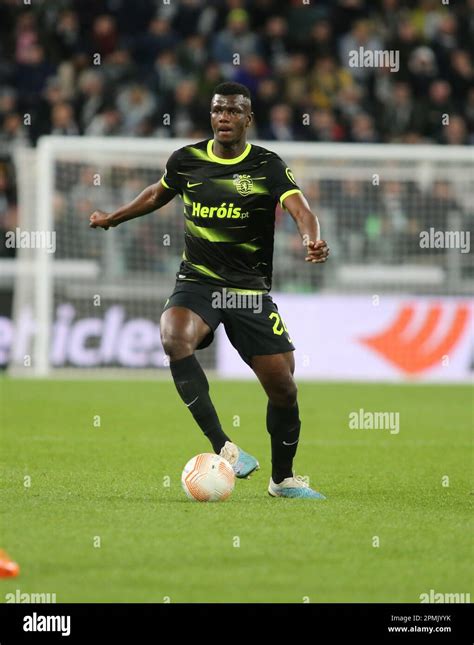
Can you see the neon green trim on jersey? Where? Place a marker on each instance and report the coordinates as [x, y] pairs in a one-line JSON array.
[[166, 185], [248, 247], [200, 154], [187, 200], [207, 233], [260, 188], [202, 269], [234, 160], [293, 191]]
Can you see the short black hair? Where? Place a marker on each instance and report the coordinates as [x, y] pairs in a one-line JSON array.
[[232, 88]]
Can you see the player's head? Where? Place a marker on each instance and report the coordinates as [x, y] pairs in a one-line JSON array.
[[231, 113]]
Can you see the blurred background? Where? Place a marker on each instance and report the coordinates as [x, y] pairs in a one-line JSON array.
[[144, 71]]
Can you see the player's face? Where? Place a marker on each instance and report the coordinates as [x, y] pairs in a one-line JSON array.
[[230, 117]]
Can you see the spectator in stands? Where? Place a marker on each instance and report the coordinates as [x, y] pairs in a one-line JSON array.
[[469, 112], [51, 96], [267, 95], [209, 77], [363, 130], [437, 109], [193, 54], [280, 126], [349, 102], [8, 209], [295, 79], [422, 69], [236, 38], [400, 207], [62, 120], [13, 132], [351, 213], [405, 41], [26, 37], [8, 101], [326, 80], [445, 42], [400, 115], [252, 72], [185, 110], [275, 43], [32, 73], [119, 69], [288, 54], [426, 17], [361, 35], [166, 75], [320, 43], [187, 17], [323, 126], [135, 103], [454, 133], [441, 209], [461, 76], [66, 37], [105, 37], [160, 37], [106, 123], [91, 96]]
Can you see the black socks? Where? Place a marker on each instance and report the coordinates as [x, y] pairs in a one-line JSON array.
[[193, 387], [283, 424]]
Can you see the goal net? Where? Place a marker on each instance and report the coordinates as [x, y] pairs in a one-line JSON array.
[[92, 299]]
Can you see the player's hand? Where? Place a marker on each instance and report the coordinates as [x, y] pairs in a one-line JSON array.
[[317, 251], [99, 219]]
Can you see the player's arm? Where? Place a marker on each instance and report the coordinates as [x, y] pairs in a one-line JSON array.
[[150, 199], [308, 227]]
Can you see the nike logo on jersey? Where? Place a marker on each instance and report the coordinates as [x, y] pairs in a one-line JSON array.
[[190, 185]]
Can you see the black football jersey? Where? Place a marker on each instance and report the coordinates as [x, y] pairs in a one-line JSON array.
[[229, 212]]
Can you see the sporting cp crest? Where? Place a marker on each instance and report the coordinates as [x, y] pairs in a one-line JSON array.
[[243, 184]]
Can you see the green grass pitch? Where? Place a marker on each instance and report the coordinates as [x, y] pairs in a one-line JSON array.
[[109, 482]]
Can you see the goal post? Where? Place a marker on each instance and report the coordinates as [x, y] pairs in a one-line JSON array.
[[98, 295]]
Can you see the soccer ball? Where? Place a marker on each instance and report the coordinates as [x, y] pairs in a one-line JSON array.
[[208, 478]]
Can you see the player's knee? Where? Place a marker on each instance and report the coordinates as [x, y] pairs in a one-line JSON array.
[[284, 393], [176, 345]]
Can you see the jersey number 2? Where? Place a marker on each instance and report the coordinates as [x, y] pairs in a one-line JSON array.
[[278, 326]]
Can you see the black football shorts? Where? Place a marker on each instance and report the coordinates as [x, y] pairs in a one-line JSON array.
[[251, 320]]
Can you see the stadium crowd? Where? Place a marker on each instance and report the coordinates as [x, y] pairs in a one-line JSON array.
[[116, 67]]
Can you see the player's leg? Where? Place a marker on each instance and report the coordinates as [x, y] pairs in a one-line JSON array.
[[182, 331], [262, 340], [275, 373]]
